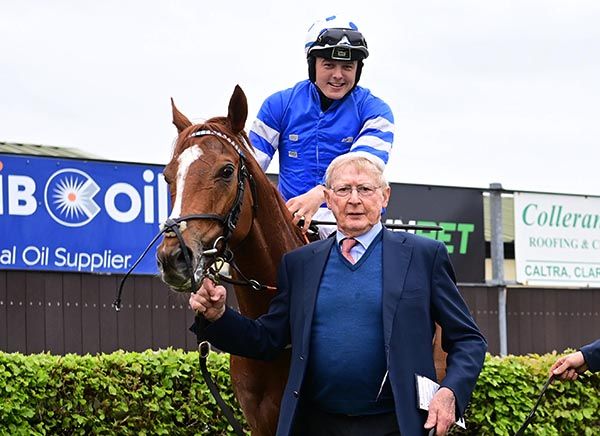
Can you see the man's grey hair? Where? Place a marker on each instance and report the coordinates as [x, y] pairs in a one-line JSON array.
[[359, 160]]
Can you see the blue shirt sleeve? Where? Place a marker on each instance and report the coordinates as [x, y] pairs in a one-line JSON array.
[[377, 132], [265, 132]]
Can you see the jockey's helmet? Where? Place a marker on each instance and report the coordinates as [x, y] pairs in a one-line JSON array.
[[334, 38]]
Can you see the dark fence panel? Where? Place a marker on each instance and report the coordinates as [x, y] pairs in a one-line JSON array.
[[543, 320], [3, 312], [72, 313], [109, 329], [71, 294], [90, 313], [35, 312], [160, 318], [483, 304], [54, 326], [538, 320], [16, 327]]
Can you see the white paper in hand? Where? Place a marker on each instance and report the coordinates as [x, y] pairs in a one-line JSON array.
[[426, 389]]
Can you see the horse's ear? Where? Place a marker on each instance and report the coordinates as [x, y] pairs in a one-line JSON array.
[[238, 110], [180, 120]]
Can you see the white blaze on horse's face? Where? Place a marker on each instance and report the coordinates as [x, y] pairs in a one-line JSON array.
[[185, 160]]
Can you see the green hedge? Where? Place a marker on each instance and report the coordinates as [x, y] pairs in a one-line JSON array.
[[163, 393], [119, 393], [508, 388]]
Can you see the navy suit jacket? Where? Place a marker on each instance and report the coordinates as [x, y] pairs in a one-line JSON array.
[[591, 353], [418, 290]]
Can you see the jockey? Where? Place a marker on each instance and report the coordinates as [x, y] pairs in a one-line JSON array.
[[321, 118]]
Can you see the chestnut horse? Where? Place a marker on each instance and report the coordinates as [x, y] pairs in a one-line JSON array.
[[211, 176], [204, 175]]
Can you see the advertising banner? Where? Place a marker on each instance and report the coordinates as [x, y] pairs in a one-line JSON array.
[[458, 211], [77, 215], [557, 240]]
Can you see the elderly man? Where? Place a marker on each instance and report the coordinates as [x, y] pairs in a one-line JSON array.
[[359, 311]]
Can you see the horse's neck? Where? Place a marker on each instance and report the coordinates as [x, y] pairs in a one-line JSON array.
[[258, 256]]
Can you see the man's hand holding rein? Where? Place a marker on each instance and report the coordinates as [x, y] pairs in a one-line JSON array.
[[209, 300]]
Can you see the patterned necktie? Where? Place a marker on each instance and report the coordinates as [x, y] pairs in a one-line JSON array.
[[347, 244]]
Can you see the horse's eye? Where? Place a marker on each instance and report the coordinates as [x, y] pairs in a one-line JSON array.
[[226, 172]]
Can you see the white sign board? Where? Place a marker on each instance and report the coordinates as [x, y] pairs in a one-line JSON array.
[[557, 240]]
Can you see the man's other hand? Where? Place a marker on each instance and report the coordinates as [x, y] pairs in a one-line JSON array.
[[303, 207], [441, 411]]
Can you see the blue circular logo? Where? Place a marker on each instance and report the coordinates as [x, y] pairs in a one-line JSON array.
[[69, 197]]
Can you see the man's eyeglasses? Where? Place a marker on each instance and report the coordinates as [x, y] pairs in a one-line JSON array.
[[362, 190]]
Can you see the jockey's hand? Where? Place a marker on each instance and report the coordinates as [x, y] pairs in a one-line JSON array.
[[441, 411], [306, 205], [209, 300], [569, 367]]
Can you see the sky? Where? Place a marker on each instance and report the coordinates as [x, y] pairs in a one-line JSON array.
[[482, 91]]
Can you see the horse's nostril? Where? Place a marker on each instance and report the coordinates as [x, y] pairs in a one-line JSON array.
[[162, 257], [175, 259], [180, 255]]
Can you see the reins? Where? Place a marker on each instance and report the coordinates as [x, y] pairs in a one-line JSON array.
[[255, 285], [521, 430]]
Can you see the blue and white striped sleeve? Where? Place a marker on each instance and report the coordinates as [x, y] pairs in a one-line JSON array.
[[264, 134], [377, 132]]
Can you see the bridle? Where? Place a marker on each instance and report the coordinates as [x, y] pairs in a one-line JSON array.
[[220, 253], [175, 226]]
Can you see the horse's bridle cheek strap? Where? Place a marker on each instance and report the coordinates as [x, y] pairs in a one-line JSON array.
[[236, 209], [239, 232], [232, 217]]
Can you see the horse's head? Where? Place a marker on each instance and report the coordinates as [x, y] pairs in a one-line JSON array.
[[210, 192]]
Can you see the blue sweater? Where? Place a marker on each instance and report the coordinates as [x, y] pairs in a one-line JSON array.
[[347, 363]]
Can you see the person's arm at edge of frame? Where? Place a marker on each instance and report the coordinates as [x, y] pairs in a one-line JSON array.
[[569, 367]]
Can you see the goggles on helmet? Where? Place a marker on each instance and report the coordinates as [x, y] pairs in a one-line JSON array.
[[331, 37], [343, 41]]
